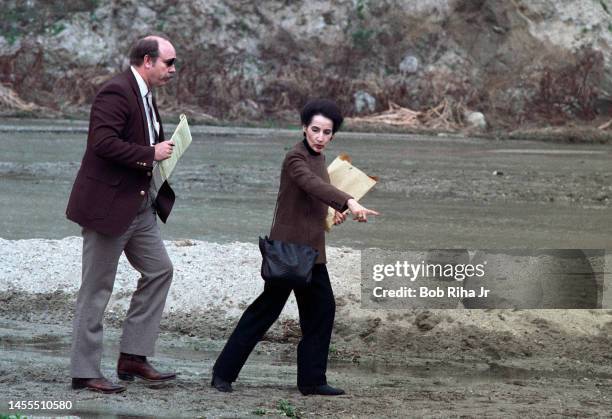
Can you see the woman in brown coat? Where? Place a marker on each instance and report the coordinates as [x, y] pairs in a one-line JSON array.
[[304, 196]]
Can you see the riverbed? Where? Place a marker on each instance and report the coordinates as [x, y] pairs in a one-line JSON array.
[[437, 191]]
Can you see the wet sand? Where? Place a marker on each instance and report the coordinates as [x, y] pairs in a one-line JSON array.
[[433, 363], [555, 375]]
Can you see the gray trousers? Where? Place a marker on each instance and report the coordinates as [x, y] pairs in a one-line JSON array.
[[145, 251]]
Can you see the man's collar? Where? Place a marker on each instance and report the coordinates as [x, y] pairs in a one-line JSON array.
[[142, 85]]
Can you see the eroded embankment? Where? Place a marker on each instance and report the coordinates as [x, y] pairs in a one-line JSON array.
[[214, 283]]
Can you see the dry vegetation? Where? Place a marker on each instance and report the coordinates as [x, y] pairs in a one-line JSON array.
[[447, 116], [214, 85], [11, 102]]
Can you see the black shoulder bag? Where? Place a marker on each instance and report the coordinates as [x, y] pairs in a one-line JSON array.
[[286, 264]]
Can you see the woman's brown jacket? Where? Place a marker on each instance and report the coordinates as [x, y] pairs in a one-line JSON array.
[[303, 198]]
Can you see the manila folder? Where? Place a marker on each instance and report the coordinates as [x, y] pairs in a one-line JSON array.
[[346, 177], [181, 139]]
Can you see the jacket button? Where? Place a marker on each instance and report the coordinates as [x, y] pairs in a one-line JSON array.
[[142, 193], [148, 173]]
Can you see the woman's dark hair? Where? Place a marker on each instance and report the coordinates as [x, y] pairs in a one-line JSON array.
[[145, 46], [324, 107]]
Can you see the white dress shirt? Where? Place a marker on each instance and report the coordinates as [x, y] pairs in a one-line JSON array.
[[147, 100]]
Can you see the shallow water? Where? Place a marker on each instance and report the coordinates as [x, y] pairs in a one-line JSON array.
[[434, 191]]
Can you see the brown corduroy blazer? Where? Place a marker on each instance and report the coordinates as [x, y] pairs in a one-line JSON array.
[[303, 198], [115, 173]]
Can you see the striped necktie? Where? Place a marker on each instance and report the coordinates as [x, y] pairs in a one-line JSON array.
[[149, 97]]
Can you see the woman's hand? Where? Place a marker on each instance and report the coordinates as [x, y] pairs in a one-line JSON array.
[[339, 217], [360, 213]]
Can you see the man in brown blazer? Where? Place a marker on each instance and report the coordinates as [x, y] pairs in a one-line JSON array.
[[114, 201]]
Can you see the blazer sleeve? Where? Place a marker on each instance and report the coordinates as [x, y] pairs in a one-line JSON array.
[[313, 185], [110, 112]]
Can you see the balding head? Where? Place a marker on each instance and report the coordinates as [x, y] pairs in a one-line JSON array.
[[149, 45], [153, 57]]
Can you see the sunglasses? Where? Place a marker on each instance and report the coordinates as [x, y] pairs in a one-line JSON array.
[[169, 62]]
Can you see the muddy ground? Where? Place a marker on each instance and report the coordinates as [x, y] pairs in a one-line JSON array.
[[444, 363]]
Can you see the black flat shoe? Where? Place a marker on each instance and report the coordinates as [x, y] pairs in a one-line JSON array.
[[221, 385], [322, 390]]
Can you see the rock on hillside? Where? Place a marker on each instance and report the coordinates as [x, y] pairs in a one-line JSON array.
[[513, 60]]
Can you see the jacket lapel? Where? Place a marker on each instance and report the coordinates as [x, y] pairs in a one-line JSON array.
[[143, 116]]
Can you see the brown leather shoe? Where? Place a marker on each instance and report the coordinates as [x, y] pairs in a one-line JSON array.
[[101, 385], [130, 366]]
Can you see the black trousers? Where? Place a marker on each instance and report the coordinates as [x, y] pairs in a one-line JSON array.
[[316, 308]]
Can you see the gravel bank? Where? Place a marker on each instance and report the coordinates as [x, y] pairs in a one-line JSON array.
[[213, 284]]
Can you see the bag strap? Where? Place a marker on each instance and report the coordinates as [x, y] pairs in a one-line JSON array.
[[275, 210]]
